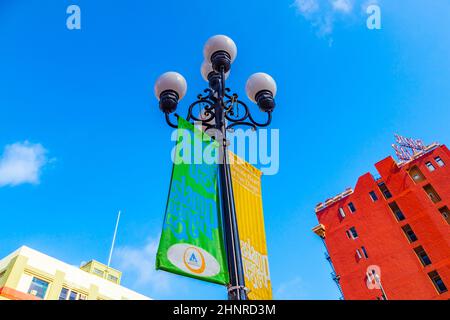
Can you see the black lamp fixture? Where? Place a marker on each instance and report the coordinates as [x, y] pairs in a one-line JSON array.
[[219, 53], [170, 88]]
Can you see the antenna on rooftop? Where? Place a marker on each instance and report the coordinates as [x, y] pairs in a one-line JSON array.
[[113, 240]]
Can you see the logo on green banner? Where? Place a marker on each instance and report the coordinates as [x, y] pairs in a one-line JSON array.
[[191, 241]]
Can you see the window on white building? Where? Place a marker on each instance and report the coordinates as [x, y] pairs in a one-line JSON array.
[[63, 294], [67, 294], [113, 278], [38, 287], [98, 272]]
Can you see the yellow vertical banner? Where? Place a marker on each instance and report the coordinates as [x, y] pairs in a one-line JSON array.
[[246, 180]]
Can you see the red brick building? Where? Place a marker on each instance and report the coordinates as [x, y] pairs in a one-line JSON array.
[[398, 225]]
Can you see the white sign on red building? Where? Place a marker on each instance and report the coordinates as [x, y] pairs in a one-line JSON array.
[[405, 148]]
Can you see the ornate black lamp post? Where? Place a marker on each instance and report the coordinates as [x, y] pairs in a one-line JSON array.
[[221, 112]]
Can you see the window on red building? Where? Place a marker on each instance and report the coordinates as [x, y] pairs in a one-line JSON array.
[[432, 194], [430, 166], [351, 206], [437, 282], [373, 196], [358, 254], [384, 190], [439, 161], [416, 174], [342, 213], [364, 251], [423, 256], [409, 233], [445, 213], [396, 211], [351, 233]]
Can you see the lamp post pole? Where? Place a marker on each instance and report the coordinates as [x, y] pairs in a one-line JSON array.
[[236, 288], [220, 112], [378, 281]]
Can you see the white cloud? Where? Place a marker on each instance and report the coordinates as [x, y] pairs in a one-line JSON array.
[[345, 6], [139, 263], [293, 289], [22, 162], [306, 6], [324, 14]]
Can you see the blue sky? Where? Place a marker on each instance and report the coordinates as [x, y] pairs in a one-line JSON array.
[[81, 135]]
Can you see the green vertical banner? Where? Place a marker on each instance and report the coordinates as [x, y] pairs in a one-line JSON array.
[[191, 242]]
